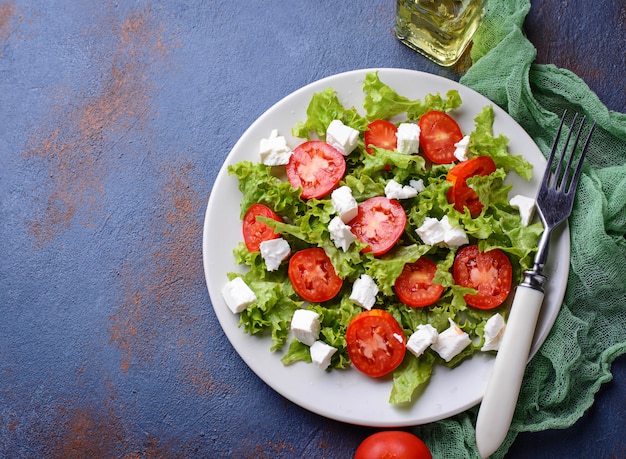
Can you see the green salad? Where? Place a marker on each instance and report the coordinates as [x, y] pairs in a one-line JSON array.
[[474, 204]]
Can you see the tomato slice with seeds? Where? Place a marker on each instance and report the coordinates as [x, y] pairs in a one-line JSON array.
[[375, 342], [460, 194], [313, 275], [381, 134], [414, 285], [254, 231], [380, 222], [438, 134], [316, 167], [490, 273]]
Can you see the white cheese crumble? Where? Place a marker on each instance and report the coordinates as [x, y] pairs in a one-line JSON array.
[[526, 207], [408, 135], [453, 236], [395, 190], [461, 148], [340, 234], [274, 150], [431, 231], [494, 331], [438, 232], [342, 137], [418, 185], [344, 203], [321, 353], [305, 325], [451, 342], [237, 295], [274, 251], [424, 336], [364, 291]]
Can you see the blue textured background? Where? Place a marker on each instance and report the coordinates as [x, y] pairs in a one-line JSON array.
[[114, 120]]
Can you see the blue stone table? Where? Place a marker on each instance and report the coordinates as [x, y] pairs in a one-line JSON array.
[[115, 118]]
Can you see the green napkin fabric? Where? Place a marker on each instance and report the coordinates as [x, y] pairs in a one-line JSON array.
[[590, 332]]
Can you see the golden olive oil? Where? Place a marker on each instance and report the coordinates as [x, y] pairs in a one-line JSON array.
[[439, 29]]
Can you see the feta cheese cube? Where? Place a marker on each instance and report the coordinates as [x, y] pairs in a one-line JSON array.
[[274, 252], [364, 291], [321, 354], [431, 232], [451, 342], [434, 232], [408, 135], [237, 295], [526, 207], [395, 190], [274, 150], [494, 331], [460, 152], [453, 236], [340, 234], [305, 325], [344, 203], [424, 336], [342, 137], [418, 185]]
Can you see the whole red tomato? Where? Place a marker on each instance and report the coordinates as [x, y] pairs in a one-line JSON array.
[[392, 444]]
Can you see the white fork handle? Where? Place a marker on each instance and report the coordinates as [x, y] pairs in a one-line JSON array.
[[498, 404]]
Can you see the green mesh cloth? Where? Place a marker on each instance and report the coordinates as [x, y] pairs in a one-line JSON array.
[[590, 332]]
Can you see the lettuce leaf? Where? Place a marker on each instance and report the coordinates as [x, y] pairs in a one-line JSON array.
[[382, 102], [409, 376], [324, 108], [483, 143], [297, 352], [258, 185]]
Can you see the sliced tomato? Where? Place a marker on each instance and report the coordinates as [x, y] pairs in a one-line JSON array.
[[392, 444], [317, 167], [480, 165], [460, 194], [414, 285], [255, 232], [376, 343], [313, 275], [438, 134], [381, 134], [379, 223], [490, 273]]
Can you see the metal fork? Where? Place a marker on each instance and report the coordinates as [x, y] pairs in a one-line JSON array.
[[554, 205]]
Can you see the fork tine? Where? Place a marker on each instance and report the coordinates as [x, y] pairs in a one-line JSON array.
[[579, 167], [559, 166], [568, 168], [548, 173]]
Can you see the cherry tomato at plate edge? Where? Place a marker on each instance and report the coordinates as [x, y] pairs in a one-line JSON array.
[[392, 444]]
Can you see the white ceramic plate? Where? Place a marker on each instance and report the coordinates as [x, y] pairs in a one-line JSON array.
[[348, 395]]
